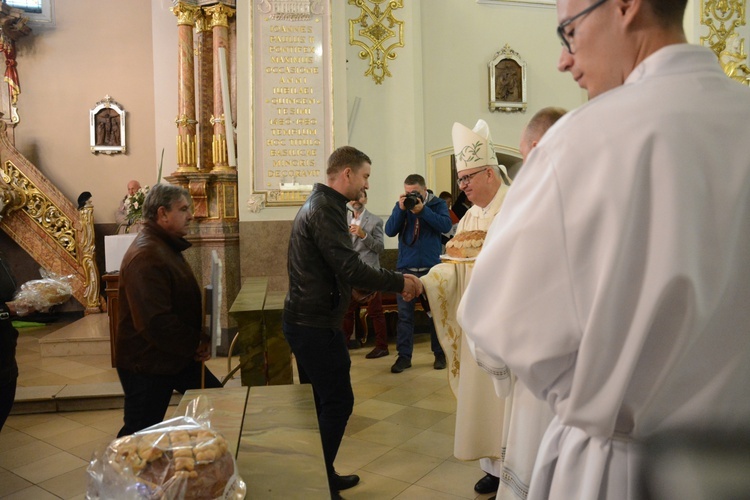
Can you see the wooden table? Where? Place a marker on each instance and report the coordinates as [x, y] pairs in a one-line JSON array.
[[275, 435], [265, 355], [280, 453]]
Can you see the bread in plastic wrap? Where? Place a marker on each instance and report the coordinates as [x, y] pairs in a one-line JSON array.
[[41, 294], [180, 458]]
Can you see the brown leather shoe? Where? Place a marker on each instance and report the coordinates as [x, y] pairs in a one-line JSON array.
[[377, 353]]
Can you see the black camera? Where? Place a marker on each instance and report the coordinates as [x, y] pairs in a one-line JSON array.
[[411, 200]]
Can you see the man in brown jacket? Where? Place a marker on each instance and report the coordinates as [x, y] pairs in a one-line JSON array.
[[160, 342]]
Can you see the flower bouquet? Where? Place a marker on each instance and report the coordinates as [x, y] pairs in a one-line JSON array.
[[133, 205]]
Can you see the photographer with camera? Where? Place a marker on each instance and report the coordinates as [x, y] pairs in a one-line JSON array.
[[418, 218]]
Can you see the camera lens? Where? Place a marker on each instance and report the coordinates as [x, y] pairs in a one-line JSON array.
[[411, 200]]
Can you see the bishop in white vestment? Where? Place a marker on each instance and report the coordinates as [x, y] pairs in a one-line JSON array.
[[485, 407]]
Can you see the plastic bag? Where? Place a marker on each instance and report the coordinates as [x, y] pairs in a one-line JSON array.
[[41, 294], [181, 458]]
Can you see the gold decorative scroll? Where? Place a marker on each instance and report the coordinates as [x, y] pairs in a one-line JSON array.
[[723, 18], [88, 258], [377, 26], [41, 209]]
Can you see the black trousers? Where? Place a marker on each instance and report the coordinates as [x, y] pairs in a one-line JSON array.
[[147, 396], [8, 369], [323, 361], [7, 395]]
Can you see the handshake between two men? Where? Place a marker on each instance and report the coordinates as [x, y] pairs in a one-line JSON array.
[[412, 287]]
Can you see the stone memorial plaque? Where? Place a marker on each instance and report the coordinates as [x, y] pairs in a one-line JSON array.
[[292, 99]]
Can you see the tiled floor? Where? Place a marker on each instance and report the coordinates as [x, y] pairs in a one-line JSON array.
[[399, 439]]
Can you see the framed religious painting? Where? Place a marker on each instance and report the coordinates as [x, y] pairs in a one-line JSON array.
[[507, 79], [107, 127]]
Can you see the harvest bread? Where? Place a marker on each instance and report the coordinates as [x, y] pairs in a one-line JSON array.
[[466, 244], [193, 463]]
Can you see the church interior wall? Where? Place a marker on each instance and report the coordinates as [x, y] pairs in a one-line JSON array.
[[95, 49], [438, 77]]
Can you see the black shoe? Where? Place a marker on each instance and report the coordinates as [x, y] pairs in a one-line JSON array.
[[401, 364], [439, 363], [354, 344], [377, 353], [339, 483], [488, 484]]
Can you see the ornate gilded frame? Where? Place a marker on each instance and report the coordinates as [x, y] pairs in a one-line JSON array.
[[107, 127], [507, 80]]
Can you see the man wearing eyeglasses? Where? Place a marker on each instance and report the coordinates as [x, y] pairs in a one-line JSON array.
[[485, 409], [479, 411], [623, 246]]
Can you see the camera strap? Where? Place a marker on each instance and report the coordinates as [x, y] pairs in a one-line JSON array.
[[415, 235]]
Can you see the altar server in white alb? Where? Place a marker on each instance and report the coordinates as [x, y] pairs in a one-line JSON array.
[[623, 247]]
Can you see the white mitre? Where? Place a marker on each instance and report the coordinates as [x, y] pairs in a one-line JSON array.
[[473, 148]]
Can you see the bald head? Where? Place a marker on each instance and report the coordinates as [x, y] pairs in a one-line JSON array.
[[537, 126], [133, 187]]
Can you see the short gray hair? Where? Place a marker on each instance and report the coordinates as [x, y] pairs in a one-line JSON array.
[[500, 174], [162, 195]]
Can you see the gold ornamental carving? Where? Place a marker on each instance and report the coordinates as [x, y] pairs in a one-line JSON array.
[[290, 10], [186, 14], [375, 27], [88, 257], [40, 208], [184, 121], [218, 15], [723, 18], [202, 23]]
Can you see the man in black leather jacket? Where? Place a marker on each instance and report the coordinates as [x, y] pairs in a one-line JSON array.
[[323, 267]]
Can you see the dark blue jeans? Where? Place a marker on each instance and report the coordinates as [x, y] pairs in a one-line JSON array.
[[323, 361], [405, 327], [147, 396]]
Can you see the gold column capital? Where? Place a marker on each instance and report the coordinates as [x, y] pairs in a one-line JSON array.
[[186, 14], [202, 22], [219, 14]]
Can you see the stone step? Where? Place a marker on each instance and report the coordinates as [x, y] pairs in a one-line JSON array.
[[73, 397], [89, 335]]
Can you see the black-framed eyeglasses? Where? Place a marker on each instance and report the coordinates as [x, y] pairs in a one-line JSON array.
[[566, 37], [468, 177]]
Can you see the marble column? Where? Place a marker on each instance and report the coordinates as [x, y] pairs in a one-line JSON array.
[[213, 190], [205, 93], [219, 15], [186, 129]]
